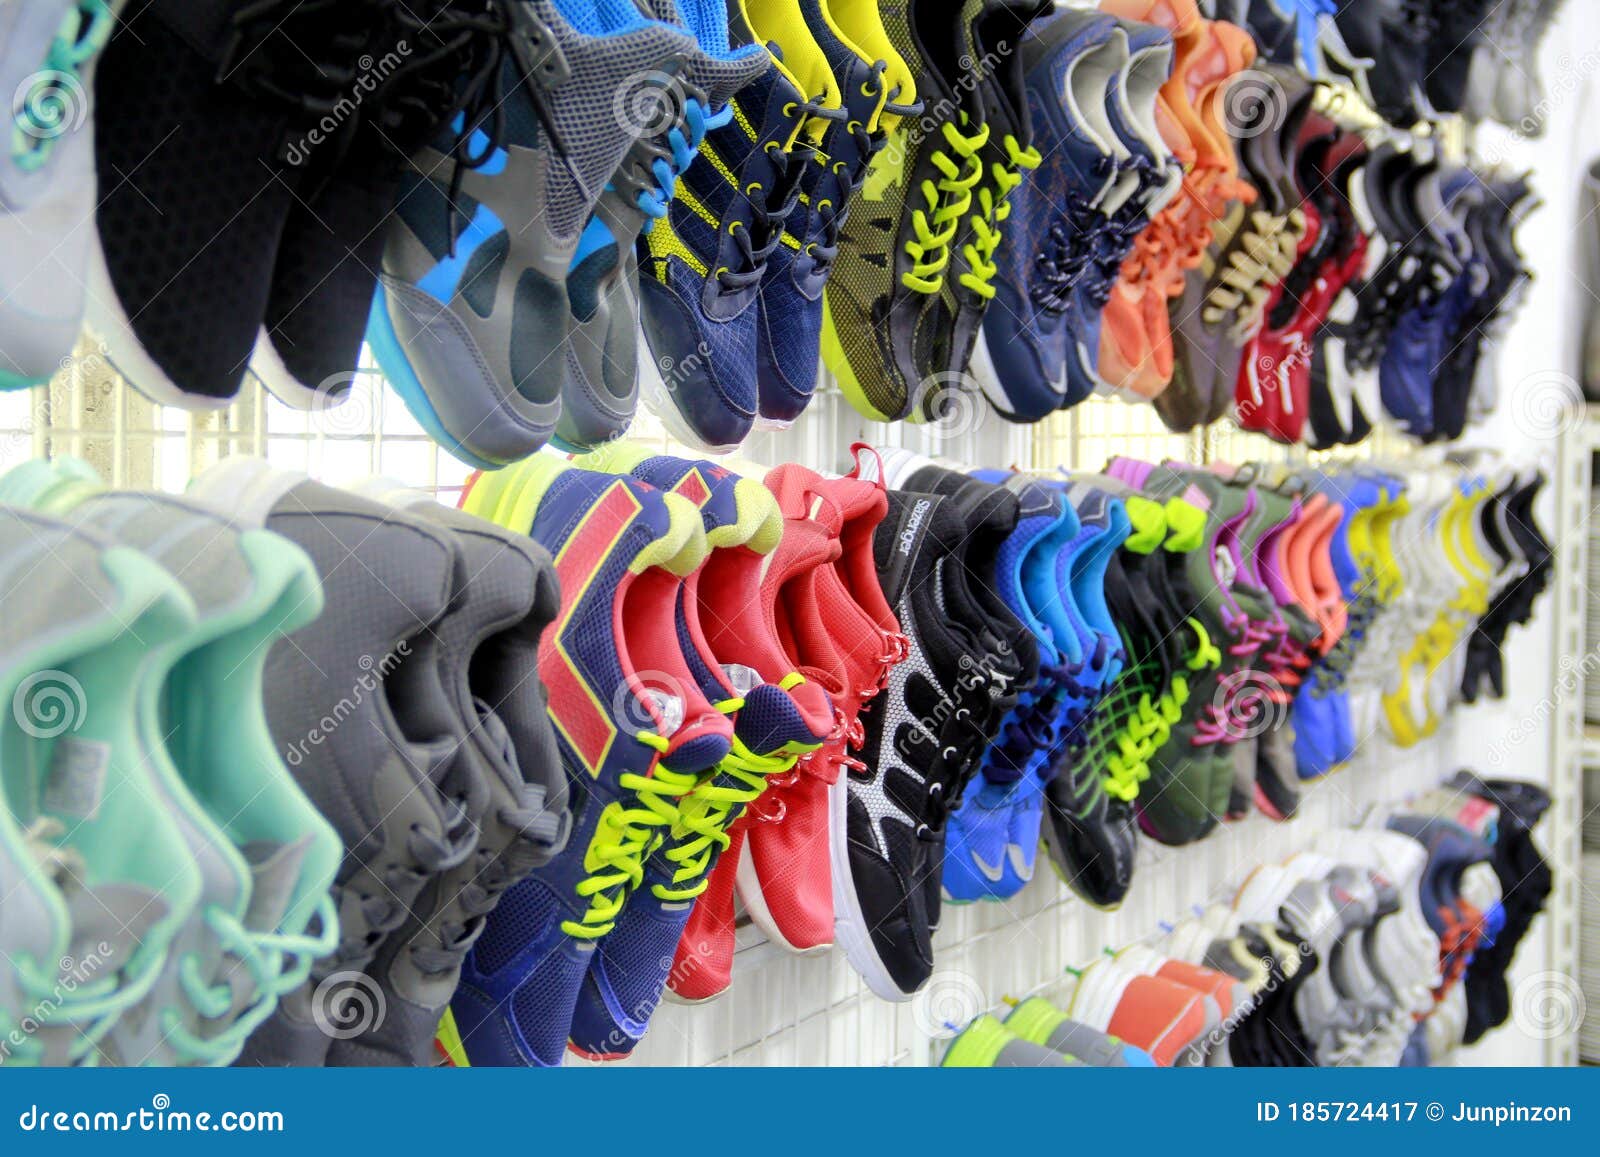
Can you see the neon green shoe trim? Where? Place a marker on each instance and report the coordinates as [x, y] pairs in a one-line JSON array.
[[1034, 1020], [1149, 521], [945, 203], [1187, 525]]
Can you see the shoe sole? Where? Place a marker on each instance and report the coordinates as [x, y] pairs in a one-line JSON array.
[[849, 923], [267, 365], [403, 380]]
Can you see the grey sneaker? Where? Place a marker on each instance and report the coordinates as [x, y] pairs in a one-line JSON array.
[[47, 179], [265, 855], [356, 704], [104, 878], [489, 645], [472, 313]]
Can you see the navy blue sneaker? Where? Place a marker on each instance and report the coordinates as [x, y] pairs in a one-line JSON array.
[[871, 77], [631, 749], [1021, 361], [629, 972], [701, 267], [600, 387]]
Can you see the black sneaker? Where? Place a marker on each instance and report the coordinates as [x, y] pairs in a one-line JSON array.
[[189, 221], [923, 737], [1459, 36]]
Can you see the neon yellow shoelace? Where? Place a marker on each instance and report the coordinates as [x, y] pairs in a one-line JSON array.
[[704, 817], [628, 832], [995, 208], [948, 201]]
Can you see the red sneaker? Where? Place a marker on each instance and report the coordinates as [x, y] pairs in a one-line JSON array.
[[750, 606], [786, 878]]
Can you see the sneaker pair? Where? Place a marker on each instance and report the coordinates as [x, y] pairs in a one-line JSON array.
[[1167, 1009], [916, 265], [1092, 84], [635, 741], [1136, 353], [146, 715]]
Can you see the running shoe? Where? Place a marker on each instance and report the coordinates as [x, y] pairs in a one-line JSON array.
[[102, 894], [919, 746], [266, 858], [515, 791], [600, 389], [785, 877], [624, 732], [1022, 360], [472, 314], [758, 633], [702, 265], [977, 850], [990, 31], [987, 1043], [889, 316], [179, 276], [1168, 1020], [389, 781], [47, 182], [878, 92], [771, 731], [1039, 1021]]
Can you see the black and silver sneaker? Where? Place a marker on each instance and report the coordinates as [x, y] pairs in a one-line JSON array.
[[923, 736]]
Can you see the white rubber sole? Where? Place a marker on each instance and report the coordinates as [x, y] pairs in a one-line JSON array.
[[267, 365], [749, 888], [109, 325], [849, 923], [1098, 992]]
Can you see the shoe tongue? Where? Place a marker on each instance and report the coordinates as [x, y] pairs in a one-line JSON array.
[[109, 921], [274, 877], [773, 719]]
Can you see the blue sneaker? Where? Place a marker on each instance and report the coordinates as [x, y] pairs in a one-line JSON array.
[[1010, 769], [629, 972], [600, 390], [1043, 252], [631, 750], [702, 265], [472, 312], [873, 83]]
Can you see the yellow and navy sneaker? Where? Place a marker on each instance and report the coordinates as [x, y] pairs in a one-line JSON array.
[[701, 267], [888, 320], [600, 386], [992, 32], [878, 90], [632, 742]]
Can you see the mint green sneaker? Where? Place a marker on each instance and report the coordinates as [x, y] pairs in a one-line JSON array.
[[266, 856], [108, 879]]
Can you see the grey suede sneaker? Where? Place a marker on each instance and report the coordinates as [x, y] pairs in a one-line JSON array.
[[488, 650], [358, 707]]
